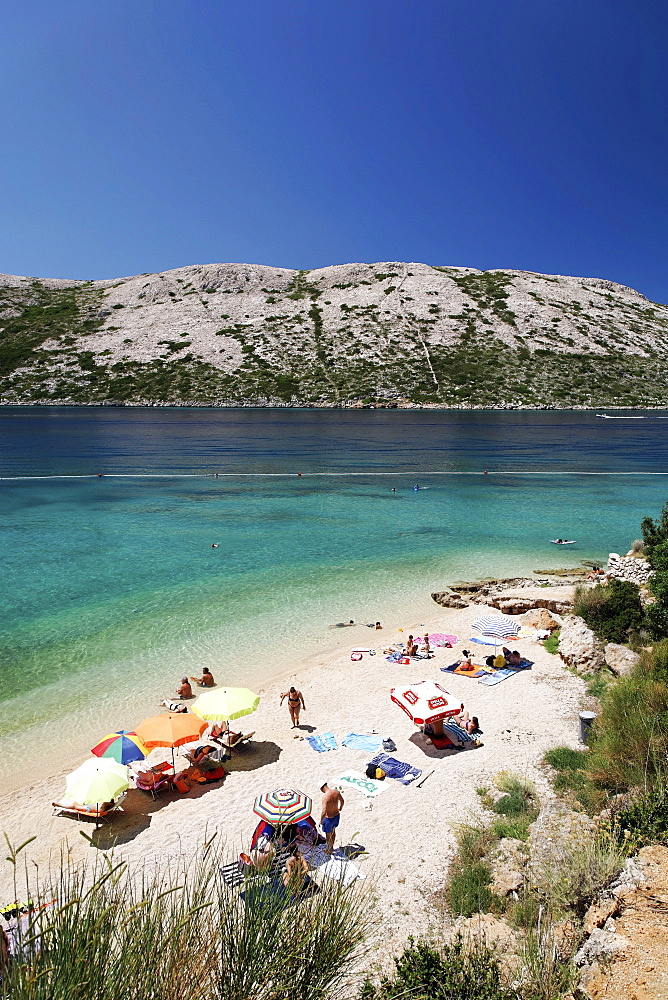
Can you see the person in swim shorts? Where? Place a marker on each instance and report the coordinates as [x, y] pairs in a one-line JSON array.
[[332, 804], [295, 704]]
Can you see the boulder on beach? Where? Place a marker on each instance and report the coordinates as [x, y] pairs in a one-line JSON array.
[[517, 600], [449, 599], [620, 659], [579, 647], [541, 618]]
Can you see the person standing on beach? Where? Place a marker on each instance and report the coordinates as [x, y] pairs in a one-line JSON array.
[[332, 804], [295, 704]]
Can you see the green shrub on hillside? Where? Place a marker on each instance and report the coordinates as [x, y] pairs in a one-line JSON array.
[[612, 610], [458, 971], [644, 820]]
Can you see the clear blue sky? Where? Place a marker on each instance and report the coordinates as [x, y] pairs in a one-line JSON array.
[[140, 135]]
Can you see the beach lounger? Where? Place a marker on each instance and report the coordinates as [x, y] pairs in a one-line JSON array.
[[88, 812], [236, 873], [236, 742], [164, 777]]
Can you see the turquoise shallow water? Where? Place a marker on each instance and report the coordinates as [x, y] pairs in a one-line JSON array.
[[110, 587]]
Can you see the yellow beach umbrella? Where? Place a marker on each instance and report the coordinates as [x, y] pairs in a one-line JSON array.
[[225, 703], [99, 779]]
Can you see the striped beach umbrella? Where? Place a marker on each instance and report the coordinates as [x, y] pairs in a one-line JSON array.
[[496, 626], [123, 747], [283, 806]]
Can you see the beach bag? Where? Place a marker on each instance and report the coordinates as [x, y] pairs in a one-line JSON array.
[[355, 656], [370, 771], [389, 746], [380, 774]]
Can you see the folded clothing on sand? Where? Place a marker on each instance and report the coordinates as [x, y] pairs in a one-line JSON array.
[[394, 768], [360, 741], [323, 742]]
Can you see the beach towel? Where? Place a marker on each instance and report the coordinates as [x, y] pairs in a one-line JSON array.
[[397, 769], [473, 671], [341, 870], [451, 667], [492, 642], [495, 678], [395, 657], [457, 731], [323, 742], [439, 639], [355, 779], [359, 741]]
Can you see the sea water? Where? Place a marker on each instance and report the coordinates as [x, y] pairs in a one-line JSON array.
[[111, 587]]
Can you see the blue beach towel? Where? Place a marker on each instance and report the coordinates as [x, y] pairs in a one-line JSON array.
[[324, 742], [359, 741], [458, 732], [396, 768], [499, 675], [452, 667]]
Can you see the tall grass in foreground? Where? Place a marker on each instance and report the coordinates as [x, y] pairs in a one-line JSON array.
[[104, 931]]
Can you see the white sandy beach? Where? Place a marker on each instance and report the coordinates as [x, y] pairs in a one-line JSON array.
[[407, 833]]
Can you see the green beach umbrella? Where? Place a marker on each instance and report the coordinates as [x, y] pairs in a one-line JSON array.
[[225, 703], [99, 779]]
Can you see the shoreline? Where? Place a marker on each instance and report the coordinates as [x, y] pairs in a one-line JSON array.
[[353, 405], [520, 718]]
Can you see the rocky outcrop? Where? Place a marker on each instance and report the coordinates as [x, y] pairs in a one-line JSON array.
[[625, 955], [620, 659], [579, 647], [629, 568], [449, 599], [554, 835], [517, 601], [507, 863], [541, 618]]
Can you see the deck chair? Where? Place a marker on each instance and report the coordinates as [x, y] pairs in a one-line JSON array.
[[88, 812], [236, 742], [164, 778], [236, 873]]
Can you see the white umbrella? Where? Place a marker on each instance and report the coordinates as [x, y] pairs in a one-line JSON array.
[[426, 701], [99, 779]]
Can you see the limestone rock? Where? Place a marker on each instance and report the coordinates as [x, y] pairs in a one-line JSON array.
[[488, 929], [516, 601], [579, 646], [508, 863], [555, 834], [541, 618], [449, 599], [600, 911], [600, 944], [620, 659]]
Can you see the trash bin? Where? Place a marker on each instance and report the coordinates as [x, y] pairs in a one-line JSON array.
[[586, 721]]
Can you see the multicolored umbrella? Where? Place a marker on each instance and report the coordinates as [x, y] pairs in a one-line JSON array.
[[225, 703], [97, 780], [283, 806], [426, 701], [123, 747]]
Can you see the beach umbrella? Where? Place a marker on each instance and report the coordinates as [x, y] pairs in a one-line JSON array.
[[97, 780], [283, 806], [225, 703], [496, 626], [123, 746], [426, 701], [172, 729]]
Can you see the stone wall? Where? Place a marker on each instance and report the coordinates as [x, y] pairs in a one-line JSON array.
[[629, 568]]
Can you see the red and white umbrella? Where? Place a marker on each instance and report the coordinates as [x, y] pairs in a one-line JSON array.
[[426, 701]]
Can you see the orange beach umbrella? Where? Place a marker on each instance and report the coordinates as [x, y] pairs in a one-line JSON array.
[[170, 730]]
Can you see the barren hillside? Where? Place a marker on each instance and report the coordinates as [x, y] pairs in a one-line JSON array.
[[382, 334]]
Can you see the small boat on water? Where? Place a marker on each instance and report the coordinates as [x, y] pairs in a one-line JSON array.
[[606, 416], [563, 541]]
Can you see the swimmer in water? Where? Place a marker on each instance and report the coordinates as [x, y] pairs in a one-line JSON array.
[[215, 545]]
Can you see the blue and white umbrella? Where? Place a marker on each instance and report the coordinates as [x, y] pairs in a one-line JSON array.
[[494, 627]]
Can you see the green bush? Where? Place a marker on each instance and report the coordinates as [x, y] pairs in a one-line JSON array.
[[644, 820], [551, 644], [455, 972], [612, 610], [469, 891], [566, 759], [629, 739]]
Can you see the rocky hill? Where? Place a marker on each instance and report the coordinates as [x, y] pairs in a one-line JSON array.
[[354, 334]]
